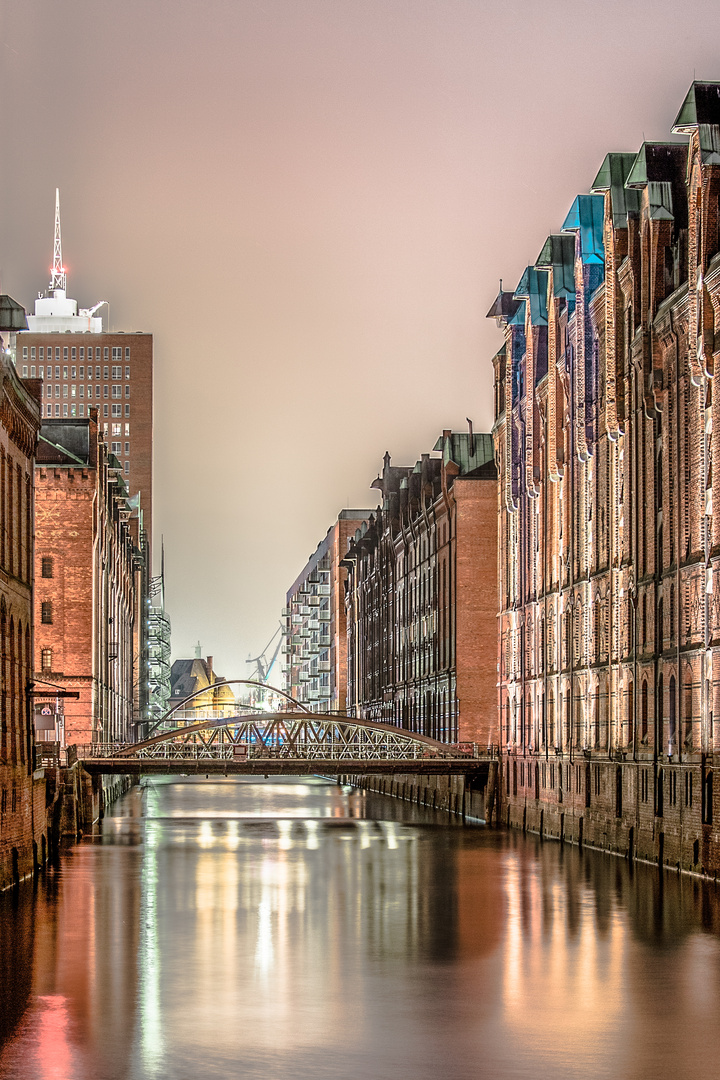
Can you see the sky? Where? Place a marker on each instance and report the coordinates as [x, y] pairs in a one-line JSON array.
[[309, 203]]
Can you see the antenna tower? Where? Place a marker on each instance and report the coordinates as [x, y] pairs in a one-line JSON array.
[[59, 277]]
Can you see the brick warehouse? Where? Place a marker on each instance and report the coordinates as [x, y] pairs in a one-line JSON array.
[[88, 581], [421, 596], [22, 794], [609, 548]]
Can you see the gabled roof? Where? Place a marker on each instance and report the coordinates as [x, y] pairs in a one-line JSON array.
[[586, 217], [612, 176], [456, 447], [12, 314], [558, 251], [532, 287], [504, 307], [657, 162], [701, 106]]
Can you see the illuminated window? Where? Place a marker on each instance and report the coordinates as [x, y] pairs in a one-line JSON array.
[[46, 612], [117, 429], [127, 430], [72, 391], [46, 659], [46, 566], [42, 372]]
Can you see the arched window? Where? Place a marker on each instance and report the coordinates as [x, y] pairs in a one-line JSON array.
[[659, 719], [672, 732]]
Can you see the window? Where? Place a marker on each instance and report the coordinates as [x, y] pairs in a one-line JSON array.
[[32, 371], [42, 372], [127, 410], [57, 389], [25, 352], [89, 375], [57, 353], [81, 390], [46, 566], [105, 409], [106, 354], [106, 390], [688, 789], [46, 614], [41, 353], [127, 352], [116, 408], [72, 391], [57, 371], [65, 390], [82, 352], [116, 430], [97, 370], [116, 391], [73, 410], [81, 373], [24, 371], [127, 372], [115, 447], [117, 370], [73, 353], [127, 430], [82, 409], [127, 390], [65, 410], [46, 657], [106, 370], [32, 353], [65, 370], [57, 410], [117, 353], [126, 469], [65, 352], [49, 410], [98, 388], [127, 447]]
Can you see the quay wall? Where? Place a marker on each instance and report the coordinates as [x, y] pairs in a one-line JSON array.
[[472, 796]]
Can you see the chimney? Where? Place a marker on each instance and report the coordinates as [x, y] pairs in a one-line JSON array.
[[209, 661], [472, 437]]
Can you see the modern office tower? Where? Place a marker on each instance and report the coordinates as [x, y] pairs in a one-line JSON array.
[[82, 366], [315, 629]]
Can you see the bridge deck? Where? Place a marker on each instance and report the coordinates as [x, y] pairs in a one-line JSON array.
[[137, 766]]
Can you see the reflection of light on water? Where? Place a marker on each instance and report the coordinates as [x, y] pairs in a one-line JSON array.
[[559, 988], [264, 946], [391, 835], [313, 842], [53, 1052], [205, 836], [151, 1037], [285, 830], [365, 837]]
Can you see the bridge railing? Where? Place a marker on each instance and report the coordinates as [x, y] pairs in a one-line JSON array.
[[326, 750]]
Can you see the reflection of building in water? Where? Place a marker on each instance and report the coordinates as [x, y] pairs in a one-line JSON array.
[[608, 539]]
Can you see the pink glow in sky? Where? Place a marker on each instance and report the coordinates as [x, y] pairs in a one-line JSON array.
[[309, 204]]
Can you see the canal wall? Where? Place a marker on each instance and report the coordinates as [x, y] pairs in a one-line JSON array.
[[657, 812], [472, 796]]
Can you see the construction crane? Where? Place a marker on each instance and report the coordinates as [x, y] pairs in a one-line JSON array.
[[262, 667]]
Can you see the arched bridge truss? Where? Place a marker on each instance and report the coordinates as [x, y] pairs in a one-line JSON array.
[[285, 742]]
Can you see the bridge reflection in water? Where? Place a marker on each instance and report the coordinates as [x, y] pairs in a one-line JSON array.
[[284, 743]]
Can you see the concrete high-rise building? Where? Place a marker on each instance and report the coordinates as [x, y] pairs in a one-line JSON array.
[[81, 366]]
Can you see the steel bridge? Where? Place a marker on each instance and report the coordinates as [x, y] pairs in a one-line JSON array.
[[289, 743]]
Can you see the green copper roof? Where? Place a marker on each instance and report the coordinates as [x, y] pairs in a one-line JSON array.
[[656, 161], [612, 177], [456, 447], [533, 287], [701, 106], [558, 251], [586, 217]]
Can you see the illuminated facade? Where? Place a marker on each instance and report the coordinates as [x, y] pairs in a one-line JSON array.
[[609, 547], [421, 615]]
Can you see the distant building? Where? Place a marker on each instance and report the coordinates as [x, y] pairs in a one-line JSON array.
[[22, 798], [315, 633], [89, 570], [187, 677], [81, 367], [158, 663], [422, 596]]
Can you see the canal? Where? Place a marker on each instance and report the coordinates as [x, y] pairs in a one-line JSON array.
[[292, 929]]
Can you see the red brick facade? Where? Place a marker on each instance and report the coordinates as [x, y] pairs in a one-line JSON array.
[[22, 797], [609, 546], [421, 598], [88, 574]]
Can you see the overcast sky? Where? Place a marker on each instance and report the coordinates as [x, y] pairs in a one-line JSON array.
[[309, 203]]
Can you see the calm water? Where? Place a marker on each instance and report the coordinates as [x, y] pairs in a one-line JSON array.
[[295, 929]]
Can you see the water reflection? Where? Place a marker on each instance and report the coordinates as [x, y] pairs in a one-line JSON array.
[[292, 929]]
